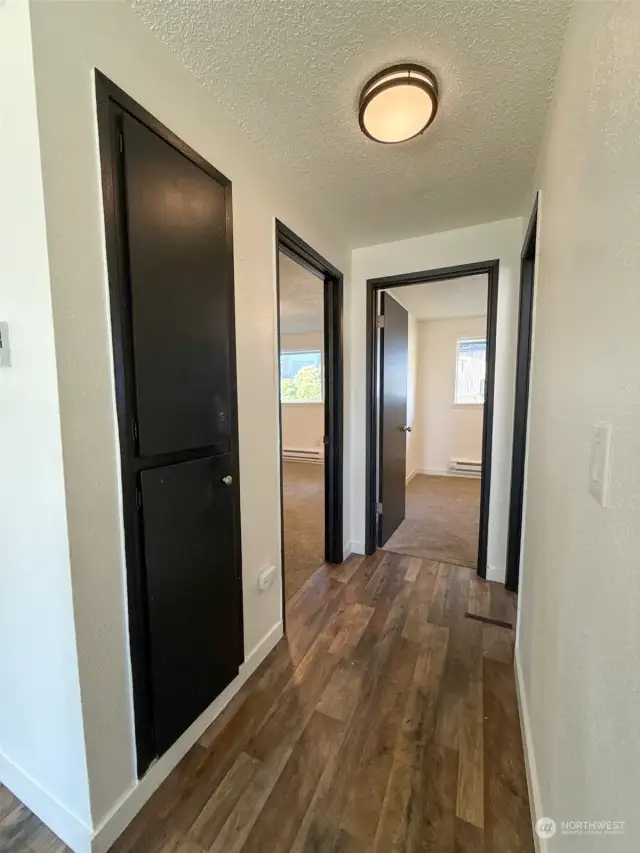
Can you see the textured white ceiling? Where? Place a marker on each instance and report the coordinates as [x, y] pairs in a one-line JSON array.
[[290, 72], [440, 300], [301, 299]]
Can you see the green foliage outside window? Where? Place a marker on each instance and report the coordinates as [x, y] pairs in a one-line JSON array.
[[305, 386]]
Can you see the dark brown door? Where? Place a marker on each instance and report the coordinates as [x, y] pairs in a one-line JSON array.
[[394, 353], [177, 316]]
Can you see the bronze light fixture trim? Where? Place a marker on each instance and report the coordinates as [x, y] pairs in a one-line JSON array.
[[398, 104]]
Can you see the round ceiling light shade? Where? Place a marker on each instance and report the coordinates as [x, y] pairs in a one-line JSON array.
[[398, 103]]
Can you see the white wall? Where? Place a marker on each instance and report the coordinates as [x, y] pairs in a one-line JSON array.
[[447, 430], [42, 754], [302, 423], [501, 240], [579, 638], [69, 39]]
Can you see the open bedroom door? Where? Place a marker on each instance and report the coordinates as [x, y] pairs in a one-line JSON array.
[[394, 356]]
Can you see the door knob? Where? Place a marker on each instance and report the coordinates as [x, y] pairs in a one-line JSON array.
[[406, 428], [227, 480]]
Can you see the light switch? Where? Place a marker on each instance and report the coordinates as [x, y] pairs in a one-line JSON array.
[[5, 351], [600, 460]]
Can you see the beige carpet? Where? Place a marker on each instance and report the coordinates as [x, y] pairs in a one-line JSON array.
[[303, 486], [442, 520]]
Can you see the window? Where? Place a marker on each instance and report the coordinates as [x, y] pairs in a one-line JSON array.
[[301, 376], [471, 368]]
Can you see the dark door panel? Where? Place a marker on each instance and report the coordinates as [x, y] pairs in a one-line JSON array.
[[195, 634], [394, 355], [168, 227], [179, 297]]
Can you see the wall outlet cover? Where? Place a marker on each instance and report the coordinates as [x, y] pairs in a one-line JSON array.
[[267, 577]]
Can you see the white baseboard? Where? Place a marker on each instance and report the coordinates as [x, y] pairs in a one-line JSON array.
[[357, 548], [496, 574], [123, 813], [445, 472], [347, 550], [411, 476], [533, 783], [310, 455], [68, 827]]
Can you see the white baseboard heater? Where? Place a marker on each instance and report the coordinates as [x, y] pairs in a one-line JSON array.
[[463, 466], [299, 454]]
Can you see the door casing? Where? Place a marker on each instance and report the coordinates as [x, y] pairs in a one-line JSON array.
[[373, 463], [109, 99], [521, 407]]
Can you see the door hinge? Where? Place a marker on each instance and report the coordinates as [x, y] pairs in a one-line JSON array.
[[380, 321], [120, 142], [134, 427], [325, 439], [138, 498], [379, 507]]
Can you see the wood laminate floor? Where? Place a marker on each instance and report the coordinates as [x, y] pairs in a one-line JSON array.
[[384, 721]]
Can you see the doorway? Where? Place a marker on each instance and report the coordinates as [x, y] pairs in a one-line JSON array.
[[436, 508], [310, 373], [439, 443], [170, 266], [302, 360]]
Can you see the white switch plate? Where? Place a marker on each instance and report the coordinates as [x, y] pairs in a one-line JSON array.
[[600, 462], [5, 350]]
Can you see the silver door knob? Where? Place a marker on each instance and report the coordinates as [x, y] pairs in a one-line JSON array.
[[227, 480], [406, 428]]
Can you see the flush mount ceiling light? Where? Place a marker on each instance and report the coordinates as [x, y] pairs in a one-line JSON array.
[[398, 103]]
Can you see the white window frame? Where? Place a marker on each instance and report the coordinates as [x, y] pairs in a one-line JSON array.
[[301, 350], [471, 403]]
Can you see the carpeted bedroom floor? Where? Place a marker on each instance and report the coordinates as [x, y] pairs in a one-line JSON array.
[[303, 523], [442, 520]]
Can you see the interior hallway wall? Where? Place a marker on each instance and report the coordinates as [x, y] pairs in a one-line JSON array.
[[42, 751], [578, 650], [502, 240], [69, 40], [448, 430], [302, 423]]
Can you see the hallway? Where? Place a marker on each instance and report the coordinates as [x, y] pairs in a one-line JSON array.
[[384, 721]]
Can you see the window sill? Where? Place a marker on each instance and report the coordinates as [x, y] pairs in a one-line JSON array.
[[301, 403]]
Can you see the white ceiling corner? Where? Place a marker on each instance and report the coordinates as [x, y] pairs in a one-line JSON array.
[[289, 74]]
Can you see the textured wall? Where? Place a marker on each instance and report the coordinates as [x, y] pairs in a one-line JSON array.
[[579, 634], [42, 754]]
